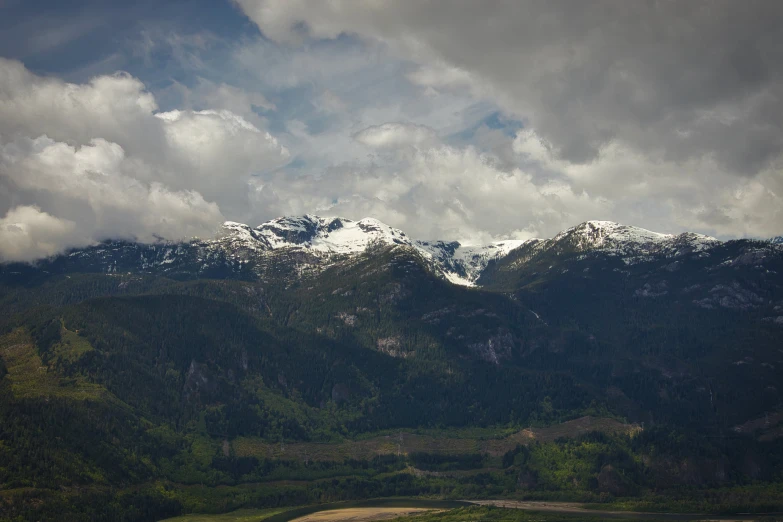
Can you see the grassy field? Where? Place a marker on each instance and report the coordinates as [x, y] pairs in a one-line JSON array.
[[30, 378], [367, 514], [429, 441]]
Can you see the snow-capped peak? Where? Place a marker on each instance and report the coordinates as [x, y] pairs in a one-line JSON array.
[[625, 239], [239, 235], [598, 234], [326, 237], [232, 227], [331, 235]]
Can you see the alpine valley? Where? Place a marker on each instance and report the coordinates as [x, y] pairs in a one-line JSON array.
[[316, 359]]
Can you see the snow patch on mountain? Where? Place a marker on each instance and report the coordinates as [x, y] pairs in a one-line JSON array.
[[463, 265], [355, 236], [330, 235]]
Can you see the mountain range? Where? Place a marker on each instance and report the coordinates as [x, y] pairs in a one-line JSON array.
[[315, 243], [128, 363], [291, 248], [459, 264]]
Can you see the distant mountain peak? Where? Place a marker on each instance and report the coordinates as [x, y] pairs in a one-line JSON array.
[[627, 239], [596, 233], [328, 235]]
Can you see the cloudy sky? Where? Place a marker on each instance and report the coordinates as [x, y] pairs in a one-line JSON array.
[[451, 119]]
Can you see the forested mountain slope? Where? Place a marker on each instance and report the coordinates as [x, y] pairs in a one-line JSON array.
[[125, 364]]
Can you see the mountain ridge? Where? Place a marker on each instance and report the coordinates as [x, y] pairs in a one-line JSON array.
[[458, 263], [311, 243]]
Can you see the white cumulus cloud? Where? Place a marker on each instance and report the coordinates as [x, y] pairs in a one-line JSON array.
[[26, 233], [97, 161]]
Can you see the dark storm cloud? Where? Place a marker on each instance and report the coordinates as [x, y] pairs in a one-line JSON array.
[[673, 79]]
